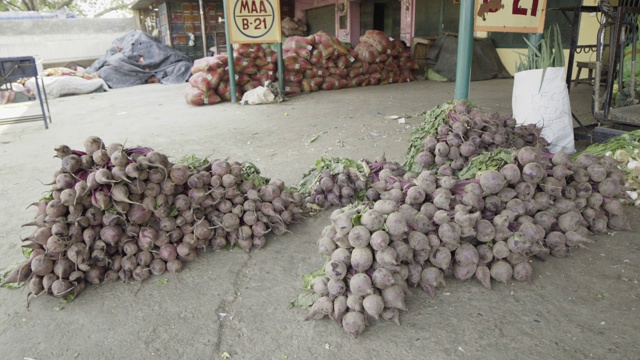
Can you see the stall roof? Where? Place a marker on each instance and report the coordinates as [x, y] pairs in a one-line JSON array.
[[142, 4]]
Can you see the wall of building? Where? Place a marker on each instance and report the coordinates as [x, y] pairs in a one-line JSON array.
[[351, 31], [60, 41], [587, 36], [407, 16]]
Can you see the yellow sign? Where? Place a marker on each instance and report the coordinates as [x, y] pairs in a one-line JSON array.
[[254, 21], [525, 16]]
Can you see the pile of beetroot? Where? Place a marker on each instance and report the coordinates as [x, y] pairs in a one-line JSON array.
[[126, 213], [456, 132], [129, 213], [419, 228]]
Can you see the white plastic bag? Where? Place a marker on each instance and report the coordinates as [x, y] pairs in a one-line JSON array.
[[547, 106]]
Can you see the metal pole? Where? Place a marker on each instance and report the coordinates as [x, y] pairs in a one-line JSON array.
[[441, 29], [465, 46], [232, 67], [203, 30], [280, 67], [575, 32]]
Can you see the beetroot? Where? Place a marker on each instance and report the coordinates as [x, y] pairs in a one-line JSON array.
[[359, 236], [573, 239], [47, 282], [137, 214], [335, 270], [483, 274], [522, 271], [450, 233], [464, 272], [545, 219], [61, 288], [492, 182], [501, 250], [609, 188], [93, 144], [485, 254], [533, 173], [393, 297], [319, 286], [343, 224], [446, 182], [321, 308], [339, 308], [415, 196], [485, 231], [144, 258], [373, 305], [41, 265], [466, 254], [442, 149], [343, 255], [613, 207], [555, 239], [354, 302], [441, 216], [336, 288], [353, 323], [492, 203], [95, 275], [157, 267], [379, 240], [619, 222], [569, 221], [396, 224], [403, 252], [441, 258], [597, 172], [372, 220], [174, 266], [418, 241], [391, 314], [511, 173], [361, 259], [63, 267], [35, 285], [560, 171], [18, 274], [501, 271], [430, 279], [527, 155], [382, 278], [360, 285], [442, 200]]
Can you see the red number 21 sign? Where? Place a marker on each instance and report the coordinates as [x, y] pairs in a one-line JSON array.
[[525, 16]]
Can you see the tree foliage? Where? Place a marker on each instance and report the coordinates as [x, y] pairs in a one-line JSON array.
[[88, 8]]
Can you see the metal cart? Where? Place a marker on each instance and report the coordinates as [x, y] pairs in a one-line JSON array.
[[621, 22]]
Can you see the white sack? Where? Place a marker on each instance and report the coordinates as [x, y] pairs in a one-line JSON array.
[[57, 86], [547, 106]]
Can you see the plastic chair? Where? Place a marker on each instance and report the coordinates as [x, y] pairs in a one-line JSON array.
[[14, 68]]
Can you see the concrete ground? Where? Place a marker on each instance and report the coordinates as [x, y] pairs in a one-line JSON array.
[[585, 306]]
